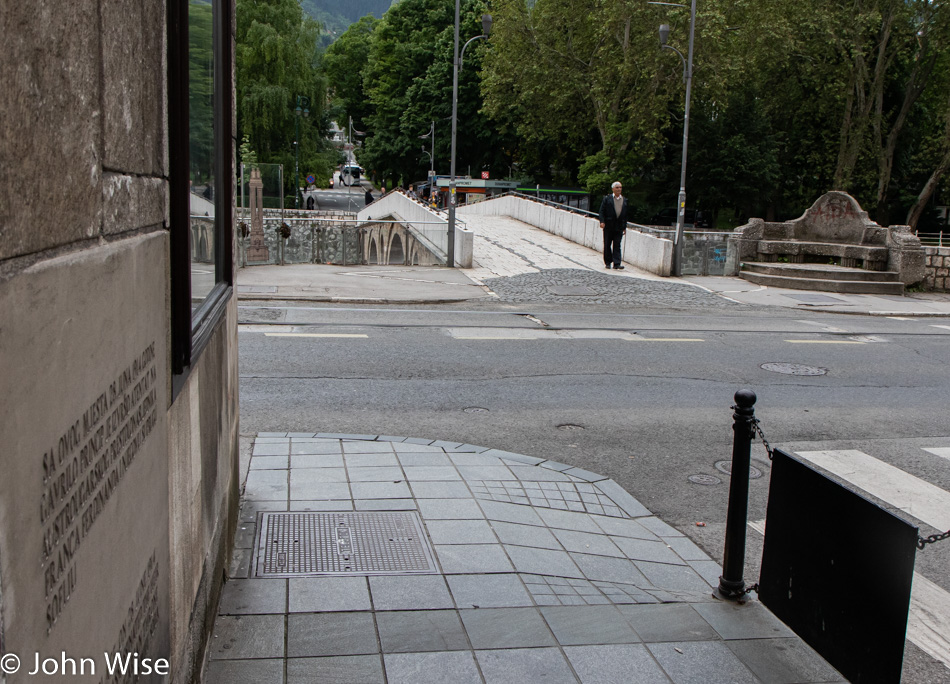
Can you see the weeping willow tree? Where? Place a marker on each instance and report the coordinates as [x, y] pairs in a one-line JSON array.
[[276, 61]]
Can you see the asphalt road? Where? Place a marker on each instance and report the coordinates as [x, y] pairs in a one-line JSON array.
[[642, 396]]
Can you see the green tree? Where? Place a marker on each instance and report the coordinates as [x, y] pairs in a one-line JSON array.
[[277, 60], [343, 63]]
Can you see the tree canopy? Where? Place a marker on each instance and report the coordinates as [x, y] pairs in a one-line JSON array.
[[790, 98], [277, 61]]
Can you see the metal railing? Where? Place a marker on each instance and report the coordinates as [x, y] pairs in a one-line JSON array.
[[934, 239]]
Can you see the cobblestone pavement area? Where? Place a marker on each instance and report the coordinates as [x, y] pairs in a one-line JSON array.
[[365, 559], [574, 286]]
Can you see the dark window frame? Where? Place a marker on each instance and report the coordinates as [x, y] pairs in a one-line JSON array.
[[191, 331]]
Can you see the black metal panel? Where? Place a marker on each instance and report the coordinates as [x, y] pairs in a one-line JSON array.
[[837, 568]]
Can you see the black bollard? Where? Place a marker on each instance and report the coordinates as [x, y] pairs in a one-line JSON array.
[[731, 584]]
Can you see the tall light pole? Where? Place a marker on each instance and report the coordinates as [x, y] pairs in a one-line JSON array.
[[303, 109], [456, 66], [688, 78]]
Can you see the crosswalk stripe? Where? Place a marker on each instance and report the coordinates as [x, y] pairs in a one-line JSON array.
[[914, 496], [928, 624], [943, 452]]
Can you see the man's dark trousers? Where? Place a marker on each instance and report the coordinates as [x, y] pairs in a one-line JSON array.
[[612, 252]]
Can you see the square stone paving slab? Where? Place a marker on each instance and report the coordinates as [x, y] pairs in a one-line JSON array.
[[432, 474], [365, 669], [450, 509], [253, 596], [490, 628], [457, 667], [269, 671], [421, 631], [667, 622], [615, 664], [701, 662], [584, 625], [410, 592], [316, 461], [469, 558], [488, 591], [748, 621], [521, 665], [440, 490], [413, 459], [543, 561], [783, 661], [247, 636], [460, 531], [331, 634], [370, 460], [525, 535], [326, 594]]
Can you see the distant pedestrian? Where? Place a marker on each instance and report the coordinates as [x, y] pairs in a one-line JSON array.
[[412, 192], [368, 197], [613, 221]]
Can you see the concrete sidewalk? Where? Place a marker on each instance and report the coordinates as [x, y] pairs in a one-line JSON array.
[[435, 285], [506, 248], [453, 563]]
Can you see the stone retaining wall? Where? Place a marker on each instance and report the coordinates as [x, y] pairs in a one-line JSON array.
[[936, 269]]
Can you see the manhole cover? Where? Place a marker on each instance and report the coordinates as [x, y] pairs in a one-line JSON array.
[[726, 467], [704, 479], [793, 369], [475, 409], [342, 543], [571, 290], [568, 426]]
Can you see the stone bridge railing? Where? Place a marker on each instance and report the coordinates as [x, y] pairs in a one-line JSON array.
[[332, 237]]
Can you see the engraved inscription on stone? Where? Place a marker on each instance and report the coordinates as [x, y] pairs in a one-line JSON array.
[[83, 468], [137, 633]]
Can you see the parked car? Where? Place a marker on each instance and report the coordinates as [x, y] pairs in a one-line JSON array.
[[693, 217]]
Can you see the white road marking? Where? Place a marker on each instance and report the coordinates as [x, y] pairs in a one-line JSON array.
[[267, 334], [900, 318], [928, 624], [667, 339], [945, 327], [919, 499], [824, 326], [943, 452], [824, 342]]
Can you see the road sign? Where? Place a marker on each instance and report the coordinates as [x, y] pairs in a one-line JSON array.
[[484, 175], [310, 178]]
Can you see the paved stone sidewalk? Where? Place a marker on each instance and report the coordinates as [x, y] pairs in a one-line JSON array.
[[537, 572]]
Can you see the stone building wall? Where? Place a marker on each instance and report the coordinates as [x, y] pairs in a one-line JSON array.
[[937, 269], [118, 495]]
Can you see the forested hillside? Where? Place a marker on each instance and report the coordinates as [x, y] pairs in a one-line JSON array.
[[335, 16]]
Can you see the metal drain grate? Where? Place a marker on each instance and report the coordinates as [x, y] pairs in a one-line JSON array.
[[342, 543]]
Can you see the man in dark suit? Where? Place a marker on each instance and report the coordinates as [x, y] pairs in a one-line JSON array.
[[613, 221]]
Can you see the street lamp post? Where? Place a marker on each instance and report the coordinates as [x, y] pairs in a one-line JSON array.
[[456, 66], [431, 137], [302, 109], [688, 78]]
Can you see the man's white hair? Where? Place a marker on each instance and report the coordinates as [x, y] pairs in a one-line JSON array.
[[616, 184]]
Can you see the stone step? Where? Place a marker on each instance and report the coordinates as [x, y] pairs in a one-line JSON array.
[[820, 285], [820, 272]]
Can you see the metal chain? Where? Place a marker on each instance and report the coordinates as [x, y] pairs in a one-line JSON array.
[[750, 589], [758, 430], [923, 541]]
